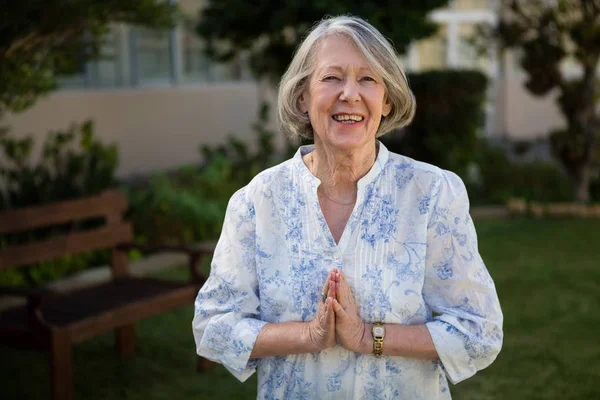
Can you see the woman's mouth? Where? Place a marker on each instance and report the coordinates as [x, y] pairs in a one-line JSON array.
[[348, 118]]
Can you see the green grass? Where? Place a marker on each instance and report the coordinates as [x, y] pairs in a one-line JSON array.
[[547, 274], [548, 278]]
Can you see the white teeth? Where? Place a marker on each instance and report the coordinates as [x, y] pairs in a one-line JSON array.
[[346, 117]]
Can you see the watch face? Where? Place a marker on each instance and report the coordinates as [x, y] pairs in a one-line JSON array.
[[378, 331]]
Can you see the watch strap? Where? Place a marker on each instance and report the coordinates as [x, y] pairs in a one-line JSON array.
[[377, 342]]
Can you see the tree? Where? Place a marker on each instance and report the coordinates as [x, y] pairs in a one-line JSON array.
[[39, 40], [548, 34], [270, 30]]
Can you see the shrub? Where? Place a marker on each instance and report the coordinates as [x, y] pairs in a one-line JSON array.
[[189, 204], [500, 179], [448, 119], [73, 164], [185, 206]]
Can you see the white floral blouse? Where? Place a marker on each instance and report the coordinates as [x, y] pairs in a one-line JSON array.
[[409, 251]]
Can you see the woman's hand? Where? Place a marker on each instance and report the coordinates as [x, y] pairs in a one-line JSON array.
[[321, 330], [349, 328]]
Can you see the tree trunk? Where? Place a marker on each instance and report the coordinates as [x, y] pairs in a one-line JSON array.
[[582, 184]]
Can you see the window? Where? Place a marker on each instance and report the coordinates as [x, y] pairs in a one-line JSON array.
[[107, 71], [196, 65], [134, 55], [152, 52]]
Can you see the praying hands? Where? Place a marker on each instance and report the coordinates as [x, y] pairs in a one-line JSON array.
[[337, 317]]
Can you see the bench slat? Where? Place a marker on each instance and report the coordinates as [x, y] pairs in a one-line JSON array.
[[133, 312], [79, 242], [106, 204]]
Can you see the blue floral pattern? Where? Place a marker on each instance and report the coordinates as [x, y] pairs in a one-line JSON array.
[[380, 218], [409, 251]]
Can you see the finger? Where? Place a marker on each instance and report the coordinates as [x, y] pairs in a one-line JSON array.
[[342, 278], [330, 313], [325, 288], [321, 311], [339, 310], [332, 289], [335, 274], [342, 290], [327, 315], [348, 297]]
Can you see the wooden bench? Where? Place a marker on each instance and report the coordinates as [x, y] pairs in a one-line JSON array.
[[53, 321]]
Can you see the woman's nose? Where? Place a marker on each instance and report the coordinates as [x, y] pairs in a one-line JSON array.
[[350, 91]]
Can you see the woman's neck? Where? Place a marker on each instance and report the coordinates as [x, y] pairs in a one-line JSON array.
[[339, 172]]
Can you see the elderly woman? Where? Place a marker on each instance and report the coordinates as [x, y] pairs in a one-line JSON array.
[[349, 271]]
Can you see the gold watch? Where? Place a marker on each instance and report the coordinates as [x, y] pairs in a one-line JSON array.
[[378, 332]]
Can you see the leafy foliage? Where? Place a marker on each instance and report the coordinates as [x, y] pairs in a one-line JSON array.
[[39, 41], [183, 207], [246, 163], [548, 34], [501, 179], [42, 39], [270, 30], [444, 132], [73, 163], [189, 205]]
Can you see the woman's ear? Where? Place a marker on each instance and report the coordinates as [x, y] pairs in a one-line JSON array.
[[387, 109], [302, 104]]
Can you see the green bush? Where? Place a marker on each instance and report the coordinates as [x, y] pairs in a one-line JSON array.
[[246, 164], [189, 205], [73, 164], [500, 179], [183, 207], [448, 119], [541, 182]]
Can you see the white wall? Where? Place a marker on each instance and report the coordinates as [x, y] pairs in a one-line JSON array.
[[523, 116], [155, 128]]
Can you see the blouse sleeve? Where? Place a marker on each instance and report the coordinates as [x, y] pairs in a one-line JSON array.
[[467, 327], [226, 321]]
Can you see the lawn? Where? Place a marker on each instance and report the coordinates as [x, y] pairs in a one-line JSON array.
[[548, 278]]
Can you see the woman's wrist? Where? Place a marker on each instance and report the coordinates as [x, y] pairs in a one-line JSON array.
[[284, 338], [307, 339], [367, 340], [310, 343]]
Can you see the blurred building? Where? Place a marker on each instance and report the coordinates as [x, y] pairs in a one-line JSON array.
[[155, 94], [159, 97]]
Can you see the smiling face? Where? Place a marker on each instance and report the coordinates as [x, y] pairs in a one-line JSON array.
[[345, 98]]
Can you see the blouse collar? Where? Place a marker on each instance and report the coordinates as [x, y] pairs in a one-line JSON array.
[[307, 176]]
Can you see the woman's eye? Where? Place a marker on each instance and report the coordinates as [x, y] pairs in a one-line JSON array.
[[368, 78], [330, 78]]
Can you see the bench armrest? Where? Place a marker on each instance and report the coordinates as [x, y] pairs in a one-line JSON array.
[[195, 253]]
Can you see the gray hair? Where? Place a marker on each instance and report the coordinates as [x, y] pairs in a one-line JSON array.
[[376, 50]]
